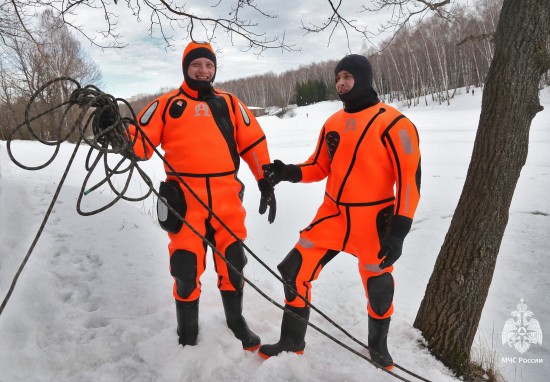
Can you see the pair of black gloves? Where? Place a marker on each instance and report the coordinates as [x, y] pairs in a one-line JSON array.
[[391, 245], [273, 174]]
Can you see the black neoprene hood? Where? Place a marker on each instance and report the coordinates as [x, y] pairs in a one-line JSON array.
[[362, 94], [193, 55]]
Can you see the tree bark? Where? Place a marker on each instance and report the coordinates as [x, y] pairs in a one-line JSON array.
[[451, 309]]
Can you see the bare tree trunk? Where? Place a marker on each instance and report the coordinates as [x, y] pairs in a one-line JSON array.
[[429, 63], [451, 309]]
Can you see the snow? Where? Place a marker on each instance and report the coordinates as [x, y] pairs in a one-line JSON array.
[[94, 301]]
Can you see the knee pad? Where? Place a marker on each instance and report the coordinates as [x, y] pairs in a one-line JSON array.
[[380, 292], [183, 267], [235, 255], [289, 268]]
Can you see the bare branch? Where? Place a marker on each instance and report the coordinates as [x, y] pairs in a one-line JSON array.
[[166, 17], [404, 11], [22, 22], [234, 26], [401, 13], [336, 20], [479, 37]]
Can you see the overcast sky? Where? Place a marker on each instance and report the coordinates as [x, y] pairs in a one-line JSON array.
[[146, 65]]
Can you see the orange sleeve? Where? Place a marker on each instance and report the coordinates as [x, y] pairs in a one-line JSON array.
[[402, 142], [317, 167], [251, 141], [151, 123]]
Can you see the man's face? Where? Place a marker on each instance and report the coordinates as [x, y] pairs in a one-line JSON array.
[[201, 69], [344, 81]]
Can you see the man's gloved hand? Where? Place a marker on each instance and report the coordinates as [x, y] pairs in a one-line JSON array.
[[391, 245], [390, 250], [108, 117], [267, 199], [110, 129], [278, 171], [105, 118]]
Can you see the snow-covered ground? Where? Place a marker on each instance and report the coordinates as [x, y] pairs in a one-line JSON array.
[[94, 302]]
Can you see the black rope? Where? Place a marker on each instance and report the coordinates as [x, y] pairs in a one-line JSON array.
[[39, 233], [116, 139], [279, 278]]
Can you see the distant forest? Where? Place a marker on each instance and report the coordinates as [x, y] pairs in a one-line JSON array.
[[427, 62]]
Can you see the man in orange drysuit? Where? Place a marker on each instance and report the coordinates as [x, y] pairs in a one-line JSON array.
[[204, 132], [365, 150]]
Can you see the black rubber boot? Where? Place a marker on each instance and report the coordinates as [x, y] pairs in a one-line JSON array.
[[293, 333], [187, 313], [233, 306], [378, 342]]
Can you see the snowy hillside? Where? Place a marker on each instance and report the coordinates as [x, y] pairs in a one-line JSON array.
[[94, 302]]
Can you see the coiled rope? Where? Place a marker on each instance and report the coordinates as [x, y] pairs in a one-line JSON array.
[[116, 139]]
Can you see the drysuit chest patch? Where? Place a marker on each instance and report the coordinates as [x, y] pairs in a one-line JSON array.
[[332, 139], [177, 108]]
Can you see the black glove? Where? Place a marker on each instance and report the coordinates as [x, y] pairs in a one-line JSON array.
[[267, 199], [111, 129], [391, 245], [390, 250], [278, 171], [107, 117], [104, 118]]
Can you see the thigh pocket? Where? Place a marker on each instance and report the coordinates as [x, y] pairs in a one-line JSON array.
[[171, 195]]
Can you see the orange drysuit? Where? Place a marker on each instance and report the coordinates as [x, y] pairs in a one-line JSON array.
[[372, 161], [203, 140]]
